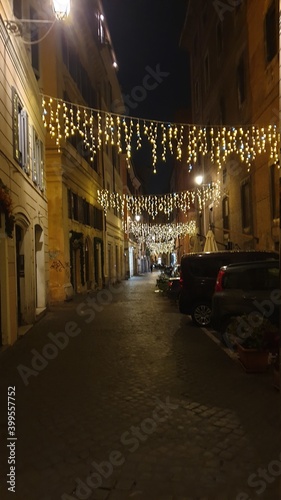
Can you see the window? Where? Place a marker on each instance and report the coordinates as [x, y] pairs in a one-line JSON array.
[[246, 206], [78, 73], [274, 191], [86, 215], [80, 210], [207, 71], [241, 82], [98, 218], [37, 160], [69, 203], [74, 206], [20, 133], [271, 33]]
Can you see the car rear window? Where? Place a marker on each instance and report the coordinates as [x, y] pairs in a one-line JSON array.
[[253, 279], [205, 269]]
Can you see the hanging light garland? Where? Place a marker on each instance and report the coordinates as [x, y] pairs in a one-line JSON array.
[[158, 248], [154, 204], [111, 200], [97, 128], [156, 233]]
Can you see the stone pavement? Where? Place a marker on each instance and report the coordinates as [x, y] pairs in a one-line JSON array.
[[118, 396]]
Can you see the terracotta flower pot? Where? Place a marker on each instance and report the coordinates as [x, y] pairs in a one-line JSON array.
[[252, 360]]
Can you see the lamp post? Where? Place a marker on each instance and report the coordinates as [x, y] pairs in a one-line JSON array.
[[200, 217]]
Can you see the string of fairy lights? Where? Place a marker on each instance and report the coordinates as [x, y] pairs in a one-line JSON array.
[[98, 129], [160, 238], [161, 247], [157, 233], [163, 203], [185, 142]]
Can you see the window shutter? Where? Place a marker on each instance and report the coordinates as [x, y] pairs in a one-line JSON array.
[[15, 103]]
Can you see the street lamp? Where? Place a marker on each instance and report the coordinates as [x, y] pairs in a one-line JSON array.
[[198, 179], [61, 9]]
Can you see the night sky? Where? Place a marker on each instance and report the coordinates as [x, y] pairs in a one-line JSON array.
[[145, 36]]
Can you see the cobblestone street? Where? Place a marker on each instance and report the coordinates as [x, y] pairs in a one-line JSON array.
[[131, 401]]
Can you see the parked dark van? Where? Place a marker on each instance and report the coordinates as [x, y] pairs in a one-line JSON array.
[[198, 278]]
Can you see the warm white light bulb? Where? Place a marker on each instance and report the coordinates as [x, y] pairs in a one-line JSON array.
[[61, 8], [199, 179]]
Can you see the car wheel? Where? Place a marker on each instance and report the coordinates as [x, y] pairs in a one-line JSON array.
[[201, 315]]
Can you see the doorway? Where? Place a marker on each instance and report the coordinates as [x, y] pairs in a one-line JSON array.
[[40, 293], [20, 272]]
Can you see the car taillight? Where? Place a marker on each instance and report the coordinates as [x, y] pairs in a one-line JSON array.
[[218, 287]]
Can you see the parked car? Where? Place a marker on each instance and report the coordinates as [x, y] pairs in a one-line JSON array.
[[174, 288], [246, 289], [198, 278]]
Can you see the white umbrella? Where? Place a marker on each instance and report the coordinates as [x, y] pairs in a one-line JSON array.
[[210, 243]]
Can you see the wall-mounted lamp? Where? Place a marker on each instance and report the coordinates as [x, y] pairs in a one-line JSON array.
[[61, 9]]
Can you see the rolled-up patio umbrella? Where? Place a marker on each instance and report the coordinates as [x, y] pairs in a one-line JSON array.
[[210, 243]]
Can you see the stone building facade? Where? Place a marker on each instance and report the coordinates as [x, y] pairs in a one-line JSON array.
[[235, 81], [24, 271], [60, 242], [86, 248]]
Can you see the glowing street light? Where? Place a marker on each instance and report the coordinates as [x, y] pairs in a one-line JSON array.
[[199, 179], [61, 8]]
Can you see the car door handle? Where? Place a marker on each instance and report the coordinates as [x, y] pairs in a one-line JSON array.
[[249, 298]]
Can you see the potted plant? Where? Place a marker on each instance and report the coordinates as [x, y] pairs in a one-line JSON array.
[[256, 337]]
